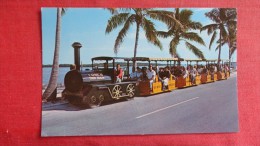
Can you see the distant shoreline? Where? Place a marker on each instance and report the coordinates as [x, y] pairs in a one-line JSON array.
[[101, 64]]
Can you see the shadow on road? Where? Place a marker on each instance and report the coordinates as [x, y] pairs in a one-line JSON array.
[[65, 106]]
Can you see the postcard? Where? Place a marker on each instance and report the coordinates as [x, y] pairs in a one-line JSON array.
[[138, 71]]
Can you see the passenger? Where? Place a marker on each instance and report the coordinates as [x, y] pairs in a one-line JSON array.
[[157, 69], [118, 74], [151, 75], [143, 76], [200, 68], [178, 71], [172, 70], [204, 70], [215, 68], [136, 75], [166, 77], [139, 74], [133, 75], [212, 71], [193, 74], [161, 74], [226, 70], [185, 72]]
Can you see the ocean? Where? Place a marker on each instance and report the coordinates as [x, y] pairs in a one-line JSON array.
[[46, 72]]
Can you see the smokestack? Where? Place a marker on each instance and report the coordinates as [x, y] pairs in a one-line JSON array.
[[77, 46]]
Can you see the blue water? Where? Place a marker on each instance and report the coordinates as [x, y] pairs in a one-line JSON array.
[[46, 71]]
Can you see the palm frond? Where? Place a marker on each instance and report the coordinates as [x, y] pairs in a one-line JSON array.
[[211, 28], [233, 49], [231, 14], [195, 50], [116, 20], [223, 14], [232, 24], [150, 33], [194, 25], [123, 33], [173, 46], [165, 16], [214, 15], [212, 39], [177, 13], [185, 16], [218, 46], [164, 34], [193, 37], [223, 30]]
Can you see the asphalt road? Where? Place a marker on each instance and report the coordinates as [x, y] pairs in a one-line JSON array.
[[208, 108]]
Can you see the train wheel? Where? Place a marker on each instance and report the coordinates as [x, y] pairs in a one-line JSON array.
[[130, 91], [116, 92], [93, 101]]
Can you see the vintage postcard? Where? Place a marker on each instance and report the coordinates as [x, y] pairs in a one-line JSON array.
[[138, 71]]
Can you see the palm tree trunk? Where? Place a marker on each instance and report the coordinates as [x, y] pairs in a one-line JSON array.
[[55, 67], [219, 53], [229, 58], [136, 44]]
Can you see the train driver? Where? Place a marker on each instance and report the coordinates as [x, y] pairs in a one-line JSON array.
[[118, 73], [151, 75]]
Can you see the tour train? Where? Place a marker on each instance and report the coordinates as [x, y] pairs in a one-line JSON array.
[[93, 87]]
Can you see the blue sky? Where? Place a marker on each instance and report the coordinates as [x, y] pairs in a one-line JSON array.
[[87, 26]]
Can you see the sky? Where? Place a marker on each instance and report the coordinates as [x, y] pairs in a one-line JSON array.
[[87, 26]]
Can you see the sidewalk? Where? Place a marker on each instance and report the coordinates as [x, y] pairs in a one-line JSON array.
[[59, 100]]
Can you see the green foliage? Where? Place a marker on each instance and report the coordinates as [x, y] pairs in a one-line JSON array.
[[183, 33], [225, 21], [141, 17]]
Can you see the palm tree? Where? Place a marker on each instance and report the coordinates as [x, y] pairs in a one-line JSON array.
[[52, 85], [222, 18], [230, 40], [139, 17], [185, 34]]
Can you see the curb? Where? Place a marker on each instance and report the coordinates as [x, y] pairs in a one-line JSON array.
[[49, 104]]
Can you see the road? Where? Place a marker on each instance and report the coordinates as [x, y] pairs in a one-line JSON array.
[[208, 108]]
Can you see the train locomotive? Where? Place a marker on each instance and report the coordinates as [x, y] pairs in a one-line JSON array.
[[93, 87]]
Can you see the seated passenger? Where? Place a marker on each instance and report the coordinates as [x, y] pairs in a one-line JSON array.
[[161, 74], [200, 68], [193, 74], [185, 72], [139, 73], [143, 76], [151, 75], [226, 70], [133, 75], [178, 71], [204, 70], [166, 77], [118, 74], [212, 71]]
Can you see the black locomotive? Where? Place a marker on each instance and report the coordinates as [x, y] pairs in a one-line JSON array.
[[91, 88]]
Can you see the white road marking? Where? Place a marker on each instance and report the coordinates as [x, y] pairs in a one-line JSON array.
[[166, 107]]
